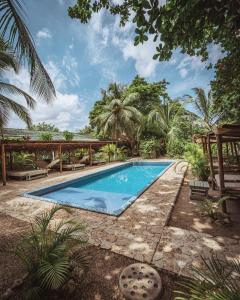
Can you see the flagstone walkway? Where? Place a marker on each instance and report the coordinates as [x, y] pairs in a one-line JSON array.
[[140, 232]]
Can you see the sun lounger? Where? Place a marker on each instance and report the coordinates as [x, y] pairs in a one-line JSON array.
[[44, 165], [28, 175], [98, 162], [73, 167]]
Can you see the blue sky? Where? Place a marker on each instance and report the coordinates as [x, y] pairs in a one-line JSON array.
[[83, 58]]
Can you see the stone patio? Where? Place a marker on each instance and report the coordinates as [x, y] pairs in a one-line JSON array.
[[140, 232]]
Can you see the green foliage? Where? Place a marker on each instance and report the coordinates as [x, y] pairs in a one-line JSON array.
[[43, 126], [7, 91], [149, 94], [204, 106], [46, 136], [213, 208], [22, 159], [87, 130], [175, 147], [119, 118], [226, 88], [14, 30], [68, 135], [149, 148], [48, 253], [187, 25], [194, 156], [218, 279]]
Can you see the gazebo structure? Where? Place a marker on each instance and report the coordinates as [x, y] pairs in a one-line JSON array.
[[8, 147], [225, 167]]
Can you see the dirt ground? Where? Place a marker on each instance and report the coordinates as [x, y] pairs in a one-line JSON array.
[[187, 215], [100, 282]]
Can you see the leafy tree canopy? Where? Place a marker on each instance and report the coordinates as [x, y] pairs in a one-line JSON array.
[[188, 25], [45, 127], [150, 94]]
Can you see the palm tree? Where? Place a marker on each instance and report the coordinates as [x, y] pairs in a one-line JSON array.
[[7, 105], [166, 116], [14, 30], [218, 279], [204, 107], [120, 118]]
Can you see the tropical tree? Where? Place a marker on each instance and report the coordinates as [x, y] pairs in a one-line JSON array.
[[191, 26], [43, 126], [68, 135], [175, 123], [119, 118], [7, 105], [13, 29], [166, 115], [204, 106]]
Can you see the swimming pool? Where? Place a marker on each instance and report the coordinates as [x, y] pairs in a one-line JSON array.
[[109, 191]]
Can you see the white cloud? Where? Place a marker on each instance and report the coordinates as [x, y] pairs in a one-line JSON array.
[[142, 54], [67, 111], [183, 72], [57, 76], [44, 33]]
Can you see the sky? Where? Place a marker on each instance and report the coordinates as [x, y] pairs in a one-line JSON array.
[[82, 59]]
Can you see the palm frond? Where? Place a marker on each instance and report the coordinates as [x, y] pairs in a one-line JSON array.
[[7, 105], [218, 279], [12, 89], [15, 31]]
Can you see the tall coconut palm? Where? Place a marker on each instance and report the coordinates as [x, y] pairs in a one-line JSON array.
[[119, 118], [166, 116], [14, 30], [7, 105], [204, 106]]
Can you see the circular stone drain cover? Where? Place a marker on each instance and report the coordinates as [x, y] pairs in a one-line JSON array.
[[140, 281]]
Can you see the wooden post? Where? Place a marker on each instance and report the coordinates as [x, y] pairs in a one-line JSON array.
[[220, 168], [90, 154], [11, 160], [236, 152], [35, 155], [210, 161], [60, 157], [4, 177], [231, 146]]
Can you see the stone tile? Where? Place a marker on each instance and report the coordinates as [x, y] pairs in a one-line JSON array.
[[180, 249]]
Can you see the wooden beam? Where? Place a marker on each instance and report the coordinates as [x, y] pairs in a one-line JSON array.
[[4, 176]]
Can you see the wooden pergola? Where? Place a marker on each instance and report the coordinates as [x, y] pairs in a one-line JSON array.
[[38, 146], [226, 165]]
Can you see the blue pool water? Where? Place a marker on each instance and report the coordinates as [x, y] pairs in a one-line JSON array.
[[110, 191]]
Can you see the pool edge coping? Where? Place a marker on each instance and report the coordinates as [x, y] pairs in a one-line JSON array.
[[92, 174]]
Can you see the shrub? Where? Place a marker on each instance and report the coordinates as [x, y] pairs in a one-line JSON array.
[[175, 148], [108, 152], [195, 157], [21, 159], [46, 136], [48, 254], [149, 148], [68, 135], [218, 279]]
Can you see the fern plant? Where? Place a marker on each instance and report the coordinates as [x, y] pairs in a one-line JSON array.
[[217, 280], [49, 254]]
